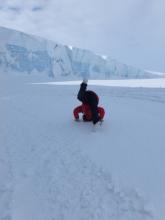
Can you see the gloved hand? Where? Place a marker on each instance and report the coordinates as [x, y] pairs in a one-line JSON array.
[[85, 81]]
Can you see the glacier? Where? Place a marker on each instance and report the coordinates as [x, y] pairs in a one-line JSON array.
[[27, 54]]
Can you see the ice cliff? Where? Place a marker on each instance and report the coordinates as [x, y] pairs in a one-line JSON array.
[[27, 54]]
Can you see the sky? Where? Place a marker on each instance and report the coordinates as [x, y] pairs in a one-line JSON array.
[[131, 31]]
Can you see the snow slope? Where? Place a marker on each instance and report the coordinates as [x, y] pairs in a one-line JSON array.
[[54, 168], [25, 54]]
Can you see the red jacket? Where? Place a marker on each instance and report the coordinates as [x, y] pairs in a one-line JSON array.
[[86, 111]]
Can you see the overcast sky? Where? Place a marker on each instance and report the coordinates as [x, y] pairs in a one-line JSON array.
[[131, 31]]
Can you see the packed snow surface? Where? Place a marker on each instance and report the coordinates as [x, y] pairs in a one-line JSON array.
[[53, 168]]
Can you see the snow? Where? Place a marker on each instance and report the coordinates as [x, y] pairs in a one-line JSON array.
[[52, 167], [70, 47], [134, 83], [104, 57]]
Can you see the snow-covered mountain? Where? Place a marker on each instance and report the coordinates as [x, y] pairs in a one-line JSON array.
[[24, 53]]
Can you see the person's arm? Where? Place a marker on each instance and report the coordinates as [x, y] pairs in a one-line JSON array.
[[76, 112], [81, 93], [101, 112]]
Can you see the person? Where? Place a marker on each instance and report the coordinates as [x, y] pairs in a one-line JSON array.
[[89, 108]]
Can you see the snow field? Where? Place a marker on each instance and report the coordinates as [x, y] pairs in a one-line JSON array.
[[54, 168]]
